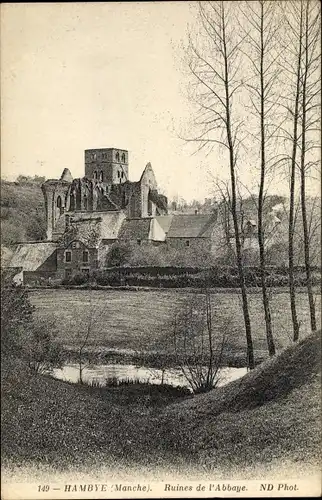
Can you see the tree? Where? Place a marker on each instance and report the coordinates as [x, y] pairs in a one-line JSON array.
[[40, 349], [118, 256], [310, 92], [291, 66], [16, 315], [301, 102], [199, 353], [22, 335], [261, 50], [214, 65]]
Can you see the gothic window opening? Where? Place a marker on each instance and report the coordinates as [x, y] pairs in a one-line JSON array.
[[72, 202], [101, 176], [123, 157], [95, 175], [117, 156], [85, 202], [58, 202], [149, 207], [68, 256]]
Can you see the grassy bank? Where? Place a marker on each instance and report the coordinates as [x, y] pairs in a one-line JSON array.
[[141, 321], [270, 415]]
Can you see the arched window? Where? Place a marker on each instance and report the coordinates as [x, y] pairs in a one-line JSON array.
[[117, 156], [123, 157], [95, 175], [72, 202], [101, 176], [58, 202]]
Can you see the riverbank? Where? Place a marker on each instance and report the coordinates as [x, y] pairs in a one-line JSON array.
[[269, 417]]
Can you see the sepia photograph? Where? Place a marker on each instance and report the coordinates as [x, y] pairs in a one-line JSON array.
[[161, 249]]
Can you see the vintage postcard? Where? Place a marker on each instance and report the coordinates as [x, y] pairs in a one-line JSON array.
[[160, 249]]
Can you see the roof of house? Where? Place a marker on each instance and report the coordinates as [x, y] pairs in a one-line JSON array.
[[191, 226], [135, 229], [164, 221], [30, 256]]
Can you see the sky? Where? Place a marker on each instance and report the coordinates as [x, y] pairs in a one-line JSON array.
[[77, 76]]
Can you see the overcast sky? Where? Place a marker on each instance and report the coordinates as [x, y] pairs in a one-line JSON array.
[[78, 76]]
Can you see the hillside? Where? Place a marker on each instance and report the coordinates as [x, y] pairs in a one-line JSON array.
[[268, 418], [271, 414], [22, 211]]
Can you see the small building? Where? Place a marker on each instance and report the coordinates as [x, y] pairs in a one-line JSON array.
[[193, 231]]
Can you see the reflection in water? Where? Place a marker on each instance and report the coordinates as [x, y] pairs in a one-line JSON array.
[[172, 376]]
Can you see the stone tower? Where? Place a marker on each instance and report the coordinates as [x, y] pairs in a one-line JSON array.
[[108, 165], [55, 194]]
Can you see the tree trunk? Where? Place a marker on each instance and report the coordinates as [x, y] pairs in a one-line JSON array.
[[261, 239], [306, 236], [291, 222], [249, 340]]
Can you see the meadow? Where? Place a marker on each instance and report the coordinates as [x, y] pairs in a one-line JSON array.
[[141, 321]]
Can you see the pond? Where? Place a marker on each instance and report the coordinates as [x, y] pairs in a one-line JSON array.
[[98, 374]]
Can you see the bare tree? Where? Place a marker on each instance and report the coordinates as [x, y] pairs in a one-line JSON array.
[[214, 64], [198, 351], [291, 66], [300, 67], [84, 334], [261, 27], [310, 116]]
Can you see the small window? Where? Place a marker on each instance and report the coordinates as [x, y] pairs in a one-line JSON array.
[[101, 176], [68, 256], [95, 175], [123, 157], [58, 202], [85, 256], [122, 175], [139, 242], [187, 243], [118, 174], [67, 221], [94, 156], [117, 156]]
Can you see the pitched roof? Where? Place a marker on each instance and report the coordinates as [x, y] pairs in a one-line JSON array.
[[191, 226], [164, 221], [30, 256], [135, 229]]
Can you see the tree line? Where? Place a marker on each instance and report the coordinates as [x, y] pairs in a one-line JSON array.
[[255, 87]]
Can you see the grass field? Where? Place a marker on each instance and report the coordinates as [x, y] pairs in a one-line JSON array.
[[140, 320]]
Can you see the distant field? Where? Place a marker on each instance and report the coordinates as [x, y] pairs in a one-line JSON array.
[[140, 320]]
